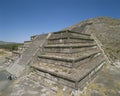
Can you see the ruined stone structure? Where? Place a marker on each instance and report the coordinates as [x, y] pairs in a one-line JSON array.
[[69, 58]]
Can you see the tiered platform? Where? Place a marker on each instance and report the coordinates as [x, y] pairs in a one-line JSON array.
[[69, 58]]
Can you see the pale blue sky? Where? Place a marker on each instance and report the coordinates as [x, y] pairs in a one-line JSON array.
[[19, 19]]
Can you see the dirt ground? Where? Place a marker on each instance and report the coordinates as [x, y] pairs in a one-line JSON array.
[[106, 84]]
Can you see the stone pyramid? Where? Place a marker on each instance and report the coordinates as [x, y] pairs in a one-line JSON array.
[[69, 58]]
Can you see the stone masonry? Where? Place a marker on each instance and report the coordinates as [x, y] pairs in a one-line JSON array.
[[69, 58]]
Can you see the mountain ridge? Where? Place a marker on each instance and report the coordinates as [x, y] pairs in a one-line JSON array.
[[5, 42]]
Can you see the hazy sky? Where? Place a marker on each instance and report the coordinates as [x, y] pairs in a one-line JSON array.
[[19, 19]]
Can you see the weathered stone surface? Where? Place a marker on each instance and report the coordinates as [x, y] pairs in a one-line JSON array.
[[71, 63], [18, 67], [65, 57]]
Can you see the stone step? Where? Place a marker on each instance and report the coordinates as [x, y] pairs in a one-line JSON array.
[[69, 45], [70, 40], [68, 50], [69, 31], [79, 33], [27, 42], [47, 83], [72, 54], [67, 61], [70, 37], [68, 76]]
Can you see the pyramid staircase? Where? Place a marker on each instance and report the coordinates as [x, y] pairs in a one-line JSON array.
[[17, 69], [69, 58]]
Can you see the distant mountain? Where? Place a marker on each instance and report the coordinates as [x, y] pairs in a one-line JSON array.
[[106, 29], [3, 42]]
